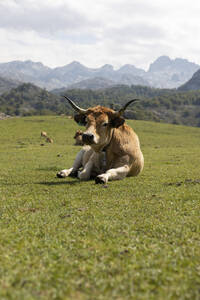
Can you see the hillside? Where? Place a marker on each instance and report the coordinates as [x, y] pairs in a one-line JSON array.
[[192, 84], [7, 84], [28, 99], [161, 105]]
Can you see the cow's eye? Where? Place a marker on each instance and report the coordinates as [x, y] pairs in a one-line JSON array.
[[105, 124]]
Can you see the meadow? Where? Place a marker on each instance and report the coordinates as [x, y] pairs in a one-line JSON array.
[[139, 238]]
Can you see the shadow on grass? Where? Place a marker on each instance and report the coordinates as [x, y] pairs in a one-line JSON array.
[[52, 183], [48, 183], [14, 184]]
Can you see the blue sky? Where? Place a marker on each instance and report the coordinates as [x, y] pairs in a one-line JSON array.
[[117, 32]]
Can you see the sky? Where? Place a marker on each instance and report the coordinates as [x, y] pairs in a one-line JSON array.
[[116, 32]]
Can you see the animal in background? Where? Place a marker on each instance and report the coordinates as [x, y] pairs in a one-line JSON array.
[[43, 134], [78, 138], [48, 139]]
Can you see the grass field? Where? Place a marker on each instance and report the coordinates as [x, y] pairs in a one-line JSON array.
[[139, 238]]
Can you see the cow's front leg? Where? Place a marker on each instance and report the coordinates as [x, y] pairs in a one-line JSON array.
[[86, 172], [113, 174], [64, 173], [74, 170]]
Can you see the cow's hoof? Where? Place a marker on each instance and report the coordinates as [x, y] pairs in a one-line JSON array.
[[74, 174], [60, 175], [99, 180]]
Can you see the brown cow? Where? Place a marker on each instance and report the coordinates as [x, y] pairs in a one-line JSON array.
[[114, 151], [44, 134], [49, 140], [78, 138]]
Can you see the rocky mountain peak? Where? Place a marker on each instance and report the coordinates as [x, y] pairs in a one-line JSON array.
[[107, 67], [160, 63]]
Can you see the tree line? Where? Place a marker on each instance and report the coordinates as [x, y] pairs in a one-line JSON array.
[[161, 105]]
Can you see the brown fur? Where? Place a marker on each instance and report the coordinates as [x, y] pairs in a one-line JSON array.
[[78, 138], [124, 148], [49, 140]]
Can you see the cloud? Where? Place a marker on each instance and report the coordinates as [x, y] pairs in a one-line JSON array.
[[98, 32], [42, 17], [134, 32]]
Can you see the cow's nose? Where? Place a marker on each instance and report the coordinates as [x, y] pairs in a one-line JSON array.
[[88, 138]]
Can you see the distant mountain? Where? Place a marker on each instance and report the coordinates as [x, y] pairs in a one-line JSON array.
[[95, 83], [7, 84], [168, 73], [69, 74], [177, 64], [130, 69], [192, 84], [163, 73], [77, 75], [45, 77], [25, 71]]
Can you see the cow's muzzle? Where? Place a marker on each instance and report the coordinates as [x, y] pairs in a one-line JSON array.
[[88, 138]]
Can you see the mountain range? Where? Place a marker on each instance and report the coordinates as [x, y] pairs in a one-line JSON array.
[[164, 72]]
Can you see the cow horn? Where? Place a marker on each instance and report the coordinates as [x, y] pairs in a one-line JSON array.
[[76, 107], [122, 110]]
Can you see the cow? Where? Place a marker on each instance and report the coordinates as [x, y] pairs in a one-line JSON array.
[[113, 148], [43, 134], [49, 140], [78, 138]]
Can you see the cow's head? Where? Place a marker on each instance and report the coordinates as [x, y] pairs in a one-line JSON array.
[[99, 122], [78, 133]]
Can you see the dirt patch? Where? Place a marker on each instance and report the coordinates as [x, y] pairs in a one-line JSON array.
[[186, 181]]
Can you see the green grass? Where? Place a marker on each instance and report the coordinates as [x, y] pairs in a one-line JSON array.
[[64, 239]]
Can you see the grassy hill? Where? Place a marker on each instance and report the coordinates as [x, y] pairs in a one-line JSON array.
[[160, 105], [28, 99], [192, 84], [65, 239], [7, 84]]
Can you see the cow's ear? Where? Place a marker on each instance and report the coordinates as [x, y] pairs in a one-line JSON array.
[[80, 119], [117, 122]]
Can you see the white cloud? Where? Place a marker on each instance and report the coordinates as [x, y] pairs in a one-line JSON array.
[[42, 17], [98, 32]]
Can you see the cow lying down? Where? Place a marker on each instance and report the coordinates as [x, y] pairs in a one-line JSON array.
[[113, 148], [78, 138]]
